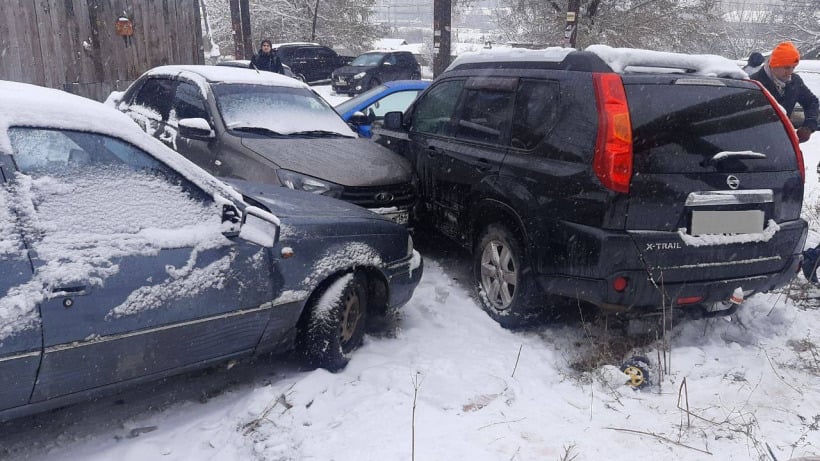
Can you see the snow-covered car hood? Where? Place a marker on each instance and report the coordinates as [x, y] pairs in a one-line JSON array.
[[351, 162], [289, 203], [352, 70]]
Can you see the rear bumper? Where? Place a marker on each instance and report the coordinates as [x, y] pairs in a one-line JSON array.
[[682, 275], [642, 294]]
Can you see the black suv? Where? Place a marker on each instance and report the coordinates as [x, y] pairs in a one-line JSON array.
[[633, 180], [310, 62], [371, 69]]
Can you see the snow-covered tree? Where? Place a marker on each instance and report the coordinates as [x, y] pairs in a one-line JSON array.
[[664, 25], [339, 23]]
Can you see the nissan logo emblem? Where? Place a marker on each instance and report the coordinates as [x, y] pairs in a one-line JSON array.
[[384, 197], [732, 181]]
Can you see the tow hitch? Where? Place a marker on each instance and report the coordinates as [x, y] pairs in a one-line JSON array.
[[728, 307]]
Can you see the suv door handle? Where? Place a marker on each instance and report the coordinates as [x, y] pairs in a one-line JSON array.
[[432, 151], [483, 165]]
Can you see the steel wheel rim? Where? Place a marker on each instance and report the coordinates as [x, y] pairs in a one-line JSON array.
[[351, 314], [499, 274]]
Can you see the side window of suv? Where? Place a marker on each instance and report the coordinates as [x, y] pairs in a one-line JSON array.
[[433, 113], [534, 114], [485, 115], [188, 102]]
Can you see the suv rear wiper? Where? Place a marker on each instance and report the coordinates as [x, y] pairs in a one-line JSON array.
[[735, 155]]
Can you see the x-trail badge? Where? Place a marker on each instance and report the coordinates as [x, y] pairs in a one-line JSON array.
[[732, 181]]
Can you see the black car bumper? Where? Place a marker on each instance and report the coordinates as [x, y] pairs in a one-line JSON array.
[[684, 275]]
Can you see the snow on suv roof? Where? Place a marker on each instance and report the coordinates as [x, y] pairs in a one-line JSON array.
[[621, 60], [228, 74], [624, 60]]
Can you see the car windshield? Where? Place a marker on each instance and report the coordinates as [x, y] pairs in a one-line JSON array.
[[357, 100], [276, 110], [368, 59]]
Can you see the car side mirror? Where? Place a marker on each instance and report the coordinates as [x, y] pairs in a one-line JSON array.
[[358, 118], [260, 227], [393, 120], [196, 128]]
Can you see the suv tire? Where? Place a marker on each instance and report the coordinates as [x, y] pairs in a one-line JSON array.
[[504, 282]]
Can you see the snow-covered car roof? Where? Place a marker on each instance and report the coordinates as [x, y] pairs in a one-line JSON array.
[[227, 74], [621, 60], [26, 105], [277, 45]]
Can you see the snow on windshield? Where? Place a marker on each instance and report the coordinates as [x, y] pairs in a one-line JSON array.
[[83, 217], [282, 110]]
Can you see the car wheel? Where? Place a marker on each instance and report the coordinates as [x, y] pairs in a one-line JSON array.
[[415, 76], [301, 77], [503, 278], [335, 323], [374, 82]]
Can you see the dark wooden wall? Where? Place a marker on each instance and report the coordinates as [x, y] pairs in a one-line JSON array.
[[42, 42]]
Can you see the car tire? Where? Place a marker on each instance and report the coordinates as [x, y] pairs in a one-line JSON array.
[[301, 78], [374, 82], [504, 281], [335, 322], [415, 76]]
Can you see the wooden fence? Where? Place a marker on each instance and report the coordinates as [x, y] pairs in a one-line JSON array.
[[73, 44]]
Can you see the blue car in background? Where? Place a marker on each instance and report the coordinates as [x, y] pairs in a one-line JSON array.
[[375, 102]]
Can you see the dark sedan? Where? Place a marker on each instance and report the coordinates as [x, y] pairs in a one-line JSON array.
[[122, 262]]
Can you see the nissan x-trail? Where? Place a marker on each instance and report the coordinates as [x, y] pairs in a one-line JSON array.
[[629, 179]]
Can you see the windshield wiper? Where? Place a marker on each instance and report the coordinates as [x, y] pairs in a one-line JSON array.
[[316, 133], [256, 129]]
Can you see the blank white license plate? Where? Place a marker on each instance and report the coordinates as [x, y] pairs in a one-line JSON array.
[[727, 222]]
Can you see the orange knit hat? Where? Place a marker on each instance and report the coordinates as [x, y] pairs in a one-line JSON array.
[[785, 54]]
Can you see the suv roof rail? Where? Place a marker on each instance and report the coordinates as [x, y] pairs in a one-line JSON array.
[[631, 60], [522, 58], [601, 58]]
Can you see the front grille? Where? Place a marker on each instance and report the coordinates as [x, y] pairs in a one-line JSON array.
[[395, 195]]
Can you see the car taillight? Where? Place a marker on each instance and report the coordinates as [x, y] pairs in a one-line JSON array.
[[613, 148], [787, 124]]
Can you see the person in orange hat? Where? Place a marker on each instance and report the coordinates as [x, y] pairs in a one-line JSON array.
[[788, 88]]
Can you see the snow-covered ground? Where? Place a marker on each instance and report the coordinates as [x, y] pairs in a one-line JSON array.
[[444, 382]]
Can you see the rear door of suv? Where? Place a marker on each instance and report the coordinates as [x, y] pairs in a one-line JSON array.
[[716, 188]]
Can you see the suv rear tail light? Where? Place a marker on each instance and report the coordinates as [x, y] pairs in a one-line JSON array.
[[787, 124], [613, 148]]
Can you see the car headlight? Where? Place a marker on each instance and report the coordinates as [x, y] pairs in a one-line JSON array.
[[298, 181], [360, 75]]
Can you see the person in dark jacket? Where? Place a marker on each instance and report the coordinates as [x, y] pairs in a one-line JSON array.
[[754, 62], [266, 59], [779, 78]]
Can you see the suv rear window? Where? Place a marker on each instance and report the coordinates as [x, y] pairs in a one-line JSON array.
[[680, 129]]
